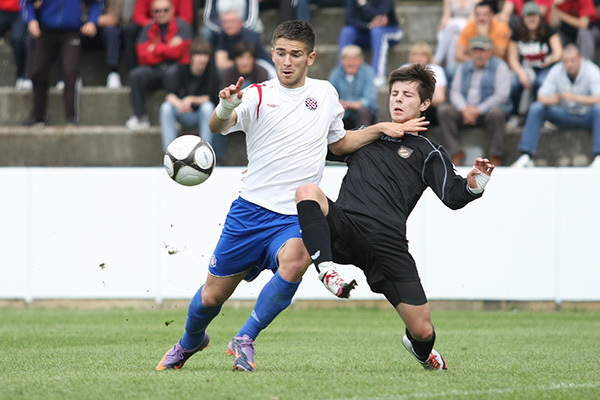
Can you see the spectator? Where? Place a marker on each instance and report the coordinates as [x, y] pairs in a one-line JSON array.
[[534, 47], [10, 20], [57, 27], [213, 9], [194, 96], [109, 38], [420, 53], [143, 15], [372, 24], [232, 32], [575, 21], [162, 46], [512, 11], [478, 94], [455, 15], [484, 24], [355, 82], [244, 65], [569, 98]]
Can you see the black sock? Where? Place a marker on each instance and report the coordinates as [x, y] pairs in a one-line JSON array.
[[423, 349], [315, 231]]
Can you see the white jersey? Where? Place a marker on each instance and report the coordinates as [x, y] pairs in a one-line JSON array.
[[287, 133]]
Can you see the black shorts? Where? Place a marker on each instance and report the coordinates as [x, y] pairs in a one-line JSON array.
[[389, 269]]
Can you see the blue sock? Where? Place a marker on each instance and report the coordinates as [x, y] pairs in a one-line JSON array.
[[273, 299], [197, 320]]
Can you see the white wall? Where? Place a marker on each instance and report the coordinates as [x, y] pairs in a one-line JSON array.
[[102, 233]]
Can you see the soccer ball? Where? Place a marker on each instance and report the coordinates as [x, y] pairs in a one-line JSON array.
[[189, 160]]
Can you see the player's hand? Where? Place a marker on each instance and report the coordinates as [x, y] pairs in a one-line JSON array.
[[483, 167], [232, 89], [397, 130]]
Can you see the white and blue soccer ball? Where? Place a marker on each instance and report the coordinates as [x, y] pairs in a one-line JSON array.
[[189, 160]]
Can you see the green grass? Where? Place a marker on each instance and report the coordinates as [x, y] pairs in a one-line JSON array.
[[305, 354]]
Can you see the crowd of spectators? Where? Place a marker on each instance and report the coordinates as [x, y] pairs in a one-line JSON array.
[[161, 44]]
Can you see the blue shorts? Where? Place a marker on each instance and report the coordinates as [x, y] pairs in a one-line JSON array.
[[251, 238]]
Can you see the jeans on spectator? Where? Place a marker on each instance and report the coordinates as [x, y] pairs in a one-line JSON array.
[[148, 78], [18, 29], [169, 115], [538, 113], [379, 39], [516, 89]]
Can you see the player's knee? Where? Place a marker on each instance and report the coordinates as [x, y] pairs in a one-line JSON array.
[[307, 191], [211, 299]]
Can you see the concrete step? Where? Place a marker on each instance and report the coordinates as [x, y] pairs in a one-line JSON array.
[[118, 146], [92, 146]]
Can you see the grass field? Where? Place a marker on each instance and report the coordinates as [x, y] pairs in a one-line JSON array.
[[305, 354]]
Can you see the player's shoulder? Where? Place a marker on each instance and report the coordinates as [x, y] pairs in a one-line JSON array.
[[422, 141]]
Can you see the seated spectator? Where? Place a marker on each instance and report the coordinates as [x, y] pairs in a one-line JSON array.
[[10, 20], [142, 16], [497, 31], [162, 46], [420, 53], [244, 65], [576, 23], [478, 96], [56, 26], [354, 81], [568, 98], [193, 98], [211, 19], [232, 32], [534, 47], [303, 7], [109, 38], [455, 15], [372, 24], [512, 11]]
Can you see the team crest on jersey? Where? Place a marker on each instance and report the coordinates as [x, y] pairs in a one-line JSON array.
[[213, 261], [405, 152], [311, 103]]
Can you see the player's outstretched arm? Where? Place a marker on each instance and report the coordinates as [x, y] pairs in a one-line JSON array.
[[479, 176], [224, 115]]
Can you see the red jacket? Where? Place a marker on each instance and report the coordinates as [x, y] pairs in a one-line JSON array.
[[10, 5], [142, 13], [162, 51]]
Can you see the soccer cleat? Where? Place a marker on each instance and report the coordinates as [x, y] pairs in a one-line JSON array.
[[177, 356], [242, 348], [338, 285], [435, 361], [524, 161]]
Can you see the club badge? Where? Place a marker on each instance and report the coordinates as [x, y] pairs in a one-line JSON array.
[[405, 152]]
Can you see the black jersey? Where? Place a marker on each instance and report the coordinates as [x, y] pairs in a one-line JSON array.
[[386, 178]]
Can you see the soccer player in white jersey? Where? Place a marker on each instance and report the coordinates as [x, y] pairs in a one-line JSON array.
[[290, 122]]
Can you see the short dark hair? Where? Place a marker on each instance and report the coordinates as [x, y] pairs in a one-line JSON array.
[[242, 48], [200, 46], [296, 30], [419, 73], [492, 4]]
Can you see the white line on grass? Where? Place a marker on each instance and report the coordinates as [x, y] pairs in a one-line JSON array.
[[552, 386]]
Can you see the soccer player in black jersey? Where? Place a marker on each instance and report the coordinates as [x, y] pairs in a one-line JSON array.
[[366, 226]]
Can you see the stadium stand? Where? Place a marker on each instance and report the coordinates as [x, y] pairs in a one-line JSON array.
[[101, 139]]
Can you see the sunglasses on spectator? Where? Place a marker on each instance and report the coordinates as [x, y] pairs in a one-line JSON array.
[[159, 10]]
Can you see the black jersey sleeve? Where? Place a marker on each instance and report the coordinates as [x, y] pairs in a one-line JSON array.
[[446, 183]]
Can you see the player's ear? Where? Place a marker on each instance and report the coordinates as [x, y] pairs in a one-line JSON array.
[[311, 58], [425, 105]]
